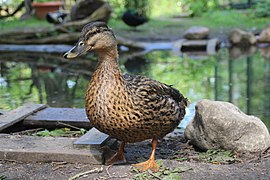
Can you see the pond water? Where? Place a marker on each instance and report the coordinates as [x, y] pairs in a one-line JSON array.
[[242, 78]]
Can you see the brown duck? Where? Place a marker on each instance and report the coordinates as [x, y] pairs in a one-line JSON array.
[[128, 107]]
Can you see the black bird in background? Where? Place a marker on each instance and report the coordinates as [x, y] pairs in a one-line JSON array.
[[132, 18]]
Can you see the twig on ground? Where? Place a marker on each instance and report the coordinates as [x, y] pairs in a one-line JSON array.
[[27, 131], [266, 156], [107, 171], [59, 163], [115, 177], [58, 167], [68, 125], [152, 174], [96, 170]]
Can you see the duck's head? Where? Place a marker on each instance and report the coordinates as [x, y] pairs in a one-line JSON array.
[[95, 36]]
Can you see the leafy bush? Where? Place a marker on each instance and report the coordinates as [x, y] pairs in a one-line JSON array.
[[198, 7], [262, 9], [119, 6]]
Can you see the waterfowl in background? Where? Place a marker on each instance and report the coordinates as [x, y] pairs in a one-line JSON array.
[[127, 107], [132, 18]]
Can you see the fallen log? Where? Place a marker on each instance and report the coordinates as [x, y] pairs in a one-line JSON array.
[[59, 34]]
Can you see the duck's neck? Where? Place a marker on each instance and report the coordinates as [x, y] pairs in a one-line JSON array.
[[108, 64]]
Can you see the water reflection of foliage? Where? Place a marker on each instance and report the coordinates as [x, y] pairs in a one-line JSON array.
[[191, 77], [15, 92], [31, 83], [243, 81]]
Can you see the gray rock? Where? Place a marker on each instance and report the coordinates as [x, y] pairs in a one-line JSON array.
[[240, 37], [84, 8], [221, 125], [197, 32], [265, 35]]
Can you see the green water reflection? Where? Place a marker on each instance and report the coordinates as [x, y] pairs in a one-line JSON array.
[[244, 80]]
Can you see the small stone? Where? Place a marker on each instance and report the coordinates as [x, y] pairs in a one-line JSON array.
[[221, 125], [264, 37], [240, 37], [197, 32]]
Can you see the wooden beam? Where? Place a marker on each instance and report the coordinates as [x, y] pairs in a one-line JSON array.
[[93, 139], [58, 117], [45, 149], [10, 118]]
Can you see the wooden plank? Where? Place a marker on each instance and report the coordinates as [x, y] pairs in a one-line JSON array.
[[177, 46], [93, 139], [45, 149], [192, 43], [10, 118], [55, 117], [212, 46]]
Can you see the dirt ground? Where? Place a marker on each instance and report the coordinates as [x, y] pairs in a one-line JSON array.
[[170, 150], [199, 171]]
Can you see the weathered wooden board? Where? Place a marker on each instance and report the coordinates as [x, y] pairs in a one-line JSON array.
[[93, 139], [212, 46], [192, 43], [55, 117], [45, 149], [209, 44], [10, 118]]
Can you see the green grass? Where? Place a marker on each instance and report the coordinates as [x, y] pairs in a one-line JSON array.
[[228, 19], [215, 20], [15, 23]]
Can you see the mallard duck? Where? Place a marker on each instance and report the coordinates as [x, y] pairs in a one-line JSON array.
[[128, 107]]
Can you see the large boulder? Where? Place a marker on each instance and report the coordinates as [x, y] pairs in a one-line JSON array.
[[221, 125], [243, 38], [264, 36], [197, 32], [84, 8]]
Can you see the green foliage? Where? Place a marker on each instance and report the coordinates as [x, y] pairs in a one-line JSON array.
[[2, 177], [225, 19], [63, 132], [140, 6], [262, 9], [164, 8], [151, 8], [118, 7], [198, 7], [218, 156], [164, 173], [42, 1], [181, 159]]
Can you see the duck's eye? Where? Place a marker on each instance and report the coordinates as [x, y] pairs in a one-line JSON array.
[[80, 43]]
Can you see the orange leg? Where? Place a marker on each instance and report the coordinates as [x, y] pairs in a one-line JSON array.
[[150, 163], [118, 157]]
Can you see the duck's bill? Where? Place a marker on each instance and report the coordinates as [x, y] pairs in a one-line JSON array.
[[76, 51]]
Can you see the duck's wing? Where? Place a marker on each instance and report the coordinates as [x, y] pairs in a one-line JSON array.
[[144, 86], [158, 107]]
